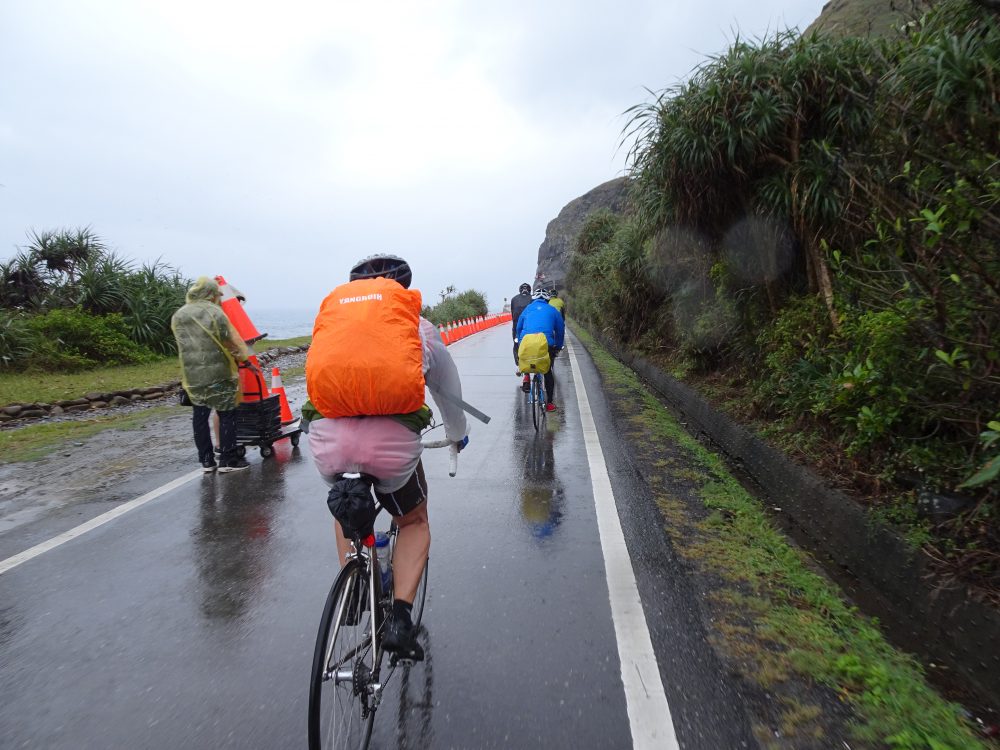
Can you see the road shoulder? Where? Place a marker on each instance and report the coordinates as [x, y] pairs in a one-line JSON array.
[[808, 669]]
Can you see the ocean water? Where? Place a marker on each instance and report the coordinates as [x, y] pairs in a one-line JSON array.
[[282, 323]]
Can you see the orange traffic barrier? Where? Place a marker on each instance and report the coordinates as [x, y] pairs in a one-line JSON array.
[[279, 389], [237, 315]]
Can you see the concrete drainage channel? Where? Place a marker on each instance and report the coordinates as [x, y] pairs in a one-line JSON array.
[[19, 414], [869, 559]]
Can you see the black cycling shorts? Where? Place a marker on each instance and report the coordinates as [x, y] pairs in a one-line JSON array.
[[408, 497]]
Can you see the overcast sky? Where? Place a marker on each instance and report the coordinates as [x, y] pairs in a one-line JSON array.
[[277, 143]]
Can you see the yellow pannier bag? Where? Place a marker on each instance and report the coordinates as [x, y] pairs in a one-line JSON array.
[[533, 353]]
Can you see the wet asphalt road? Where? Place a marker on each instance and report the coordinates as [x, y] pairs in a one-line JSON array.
[[190, 622]]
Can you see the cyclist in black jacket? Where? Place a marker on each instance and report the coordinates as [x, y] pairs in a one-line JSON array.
[[517, 305]]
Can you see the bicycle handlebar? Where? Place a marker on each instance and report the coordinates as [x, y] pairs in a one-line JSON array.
[[453, 468]]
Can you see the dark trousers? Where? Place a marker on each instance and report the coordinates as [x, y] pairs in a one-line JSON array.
[[203, 433], [550, 380]]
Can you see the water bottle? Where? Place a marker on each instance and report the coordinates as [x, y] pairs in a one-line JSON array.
[[382, 552]]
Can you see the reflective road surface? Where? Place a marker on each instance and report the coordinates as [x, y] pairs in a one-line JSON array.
[[190, 621]]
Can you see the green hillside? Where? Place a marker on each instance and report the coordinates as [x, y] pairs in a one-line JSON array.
[[812, 239]]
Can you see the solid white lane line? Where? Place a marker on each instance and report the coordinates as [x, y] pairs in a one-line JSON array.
[[648, 711], [93, 523]]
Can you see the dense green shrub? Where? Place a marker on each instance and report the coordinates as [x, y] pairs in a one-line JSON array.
[[17, 339], [453, 307], [74, 339], [73, 270], [821, 216]]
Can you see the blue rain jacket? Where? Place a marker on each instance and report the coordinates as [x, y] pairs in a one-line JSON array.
[[541, 317]]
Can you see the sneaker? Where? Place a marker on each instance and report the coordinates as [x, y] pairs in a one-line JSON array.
[[235, 464], [526, 384], [548, 407], [208, 465], [400, 640]]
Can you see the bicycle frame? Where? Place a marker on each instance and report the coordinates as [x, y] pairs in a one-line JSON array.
[[364, 555], [349, 666]]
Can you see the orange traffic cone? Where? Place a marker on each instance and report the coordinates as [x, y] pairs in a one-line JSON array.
[[252, 382], [277, 387], [444, 334], [237, 315]]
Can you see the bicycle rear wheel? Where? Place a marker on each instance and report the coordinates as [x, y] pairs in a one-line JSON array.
[[341, 711], [535, 400]]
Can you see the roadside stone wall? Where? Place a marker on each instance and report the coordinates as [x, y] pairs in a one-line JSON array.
[[97, 400]]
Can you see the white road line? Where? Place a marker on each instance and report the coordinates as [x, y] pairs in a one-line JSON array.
[[648, 711], [93, 523]]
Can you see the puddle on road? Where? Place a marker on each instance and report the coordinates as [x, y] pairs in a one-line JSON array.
[[93, 469]]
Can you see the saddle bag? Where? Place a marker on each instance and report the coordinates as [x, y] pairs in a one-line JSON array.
[[351, 503]]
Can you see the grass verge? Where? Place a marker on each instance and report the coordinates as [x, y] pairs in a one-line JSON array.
[[774, 617], [38, 440], [47, 387]]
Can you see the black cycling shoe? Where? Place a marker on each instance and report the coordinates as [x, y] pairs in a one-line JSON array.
[[400, 640]]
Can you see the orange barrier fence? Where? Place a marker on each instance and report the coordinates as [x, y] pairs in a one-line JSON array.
[[459, 329]]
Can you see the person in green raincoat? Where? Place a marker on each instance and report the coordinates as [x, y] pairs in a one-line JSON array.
[[210, 350]]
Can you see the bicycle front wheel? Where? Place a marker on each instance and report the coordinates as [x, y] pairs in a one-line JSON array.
[[418, 600], [341, 709]]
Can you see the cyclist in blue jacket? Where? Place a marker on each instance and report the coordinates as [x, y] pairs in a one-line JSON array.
[[541, 317]]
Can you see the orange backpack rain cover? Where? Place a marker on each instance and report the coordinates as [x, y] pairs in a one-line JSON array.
[[366, 357]]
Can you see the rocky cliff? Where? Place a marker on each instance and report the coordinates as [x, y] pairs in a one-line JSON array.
[[864, 17], [560, 235]]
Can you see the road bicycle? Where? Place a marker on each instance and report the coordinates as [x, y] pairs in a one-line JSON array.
[[348, 678], [536, 399]]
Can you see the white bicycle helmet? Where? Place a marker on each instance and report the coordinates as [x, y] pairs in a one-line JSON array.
[[542, 294]]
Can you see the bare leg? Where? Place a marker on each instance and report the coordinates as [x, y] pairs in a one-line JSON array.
[[344, 545], [410, 557]]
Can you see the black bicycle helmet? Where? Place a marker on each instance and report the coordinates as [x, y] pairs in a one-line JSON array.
[[524, 289], [384, 265]]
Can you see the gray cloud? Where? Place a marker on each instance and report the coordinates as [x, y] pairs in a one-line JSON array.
[[277, 145]]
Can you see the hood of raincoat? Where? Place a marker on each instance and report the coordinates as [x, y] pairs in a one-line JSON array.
[[209, 348], [203, 290]]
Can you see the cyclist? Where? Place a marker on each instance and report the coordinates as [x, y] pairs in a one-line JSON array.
[[541, 317], [386, 447], [517, 305], [557, 302]]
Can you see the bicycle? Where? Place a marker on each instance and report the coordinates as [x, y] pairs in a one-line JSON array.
[[346, 684], [536, 399]]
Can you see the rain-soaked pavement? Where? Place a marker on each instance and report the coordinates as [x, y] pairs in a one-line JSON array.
[[190, 621]]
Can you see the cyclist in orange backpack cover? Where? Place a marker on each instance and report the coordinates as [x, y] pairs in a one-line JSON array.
[[372, 439]]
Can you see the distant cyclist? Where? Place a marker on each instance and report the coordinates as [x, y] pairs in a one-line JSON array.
[[370, 358], [557, 302], [517, 305], [541, 317]]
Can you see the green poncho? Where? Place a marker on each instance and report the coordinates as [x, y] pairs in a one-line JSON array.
[[209, 348]]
